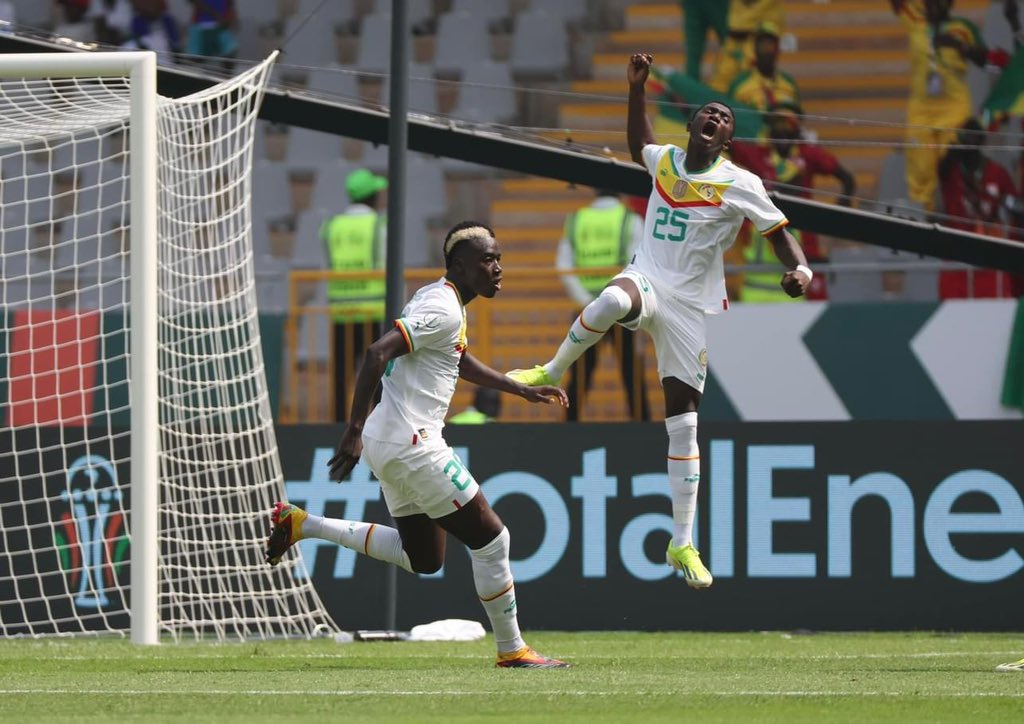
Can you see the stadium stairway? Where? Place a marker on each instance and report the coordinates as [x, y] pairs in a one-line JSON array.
[[850, 60]]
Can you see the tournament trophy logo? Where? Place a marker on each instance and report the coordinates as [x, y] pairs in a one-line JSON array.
[[91, 540]]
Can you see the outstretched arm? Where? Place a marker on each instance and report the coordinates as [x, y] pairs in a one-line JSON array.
[[375, 361], [798, 278], [848, 182], [473, 370], [638, 128]]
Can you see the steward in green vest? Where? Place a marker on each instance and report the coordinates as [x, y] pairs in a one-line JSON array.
[[485, 408], [763, 286], [600, 237], [353, 244], [354, 241]]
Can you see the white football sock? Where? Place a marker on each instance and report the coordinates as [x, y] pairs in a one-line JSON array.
[[371, 539], [611, 305], [493, 580], [683, 474]]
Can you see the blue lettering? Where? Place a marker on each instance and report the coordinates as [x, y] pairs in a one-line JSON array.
[[594, 487], [940, 522], [763, 510]]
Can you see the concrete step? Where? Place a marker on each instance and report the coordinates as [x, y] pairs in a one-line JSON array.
[[607, 116], [531, 212], [812, 37], [838, 13], [811, 88], [801, 64]]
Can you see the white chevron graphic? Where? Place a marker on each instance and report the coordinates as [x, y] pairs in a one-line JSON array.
[[756, 352], [963, 349]]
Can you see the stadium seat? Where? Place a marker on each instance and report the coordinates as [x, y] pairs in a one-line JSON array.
[[418, 10], [102, 187], [540, 45], [421, 90], [335, 80], [487, 94], [313, 45], [570, 10], [251, 43], [854, 286], [261, 12], [374, 157], [490, 10], [32, 192], [271, 200], [23, 277], [979, 82], [309, 149], [462, 41], [374, 54], [314, 334], [271, 283], [33, 13], [892, 182], [308, 248], [995, 31], [333, 13], [919, 285], [329, 188]]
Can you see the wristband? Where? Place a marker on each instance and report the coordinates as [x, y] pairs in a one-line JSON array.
[[806, 270]]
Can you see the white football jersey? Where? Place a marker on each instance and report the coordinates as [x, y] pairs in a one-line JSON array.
[[418, 386], [692, 218]]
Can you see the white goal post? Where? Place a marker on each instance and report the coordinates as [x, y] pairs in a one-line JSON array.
[[135, 427]]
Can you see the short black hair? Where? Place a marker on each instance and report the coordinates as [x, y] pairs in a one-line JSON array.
[[700, 108], [448, 248]]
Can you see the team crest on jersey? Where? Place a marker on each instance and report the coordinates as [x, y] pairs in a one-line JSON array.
[[679, 192], [703, 357]]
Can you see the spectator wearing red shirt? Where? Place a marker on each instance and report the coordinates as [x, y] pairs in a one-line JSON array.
[[978, 192], [794, 165]]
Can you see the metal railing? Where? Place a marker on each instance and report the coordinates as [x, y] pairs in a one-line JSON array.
[[308, 392]]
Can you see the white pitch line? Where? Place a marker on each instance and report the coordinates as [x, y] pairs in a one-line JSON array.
[[532, 693], [582, 657]]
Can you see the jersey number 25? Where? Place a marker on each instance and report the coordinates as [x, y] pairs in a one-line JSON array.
[[670, 227]]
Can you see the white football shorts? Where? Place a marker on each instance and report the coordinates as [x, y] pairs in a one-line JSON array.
[[424, 478], [679, 331]]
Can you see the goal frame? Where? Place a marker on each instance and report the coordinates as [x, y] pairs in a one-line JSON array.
[[139, 67]]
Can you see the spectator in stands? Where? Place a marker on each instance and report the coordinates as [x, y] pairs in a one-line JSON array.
[[355, 240], [210, 33], [764, 85], [795, 164], [699, 16], [602, 234], [74, 22], [737, 52], [153, 28], [485, 408], [980, 194], [940, 99]]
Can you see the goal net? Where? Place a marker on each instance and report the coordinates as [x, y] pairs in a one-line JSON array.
[[137, 447]]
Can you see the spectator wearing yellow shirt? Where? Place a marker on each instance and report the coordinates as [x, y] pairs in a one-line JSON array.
[[737, 51], [940, 99], [764, 85]]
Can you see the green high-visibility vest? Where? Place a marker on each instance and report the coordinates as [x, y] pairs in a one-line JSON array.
[[763, 286], [470, 417], [599, 237], [351, 241]]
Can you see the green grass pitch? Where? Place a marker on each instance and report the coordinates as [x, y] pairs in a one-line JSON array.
[[618, 676]]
